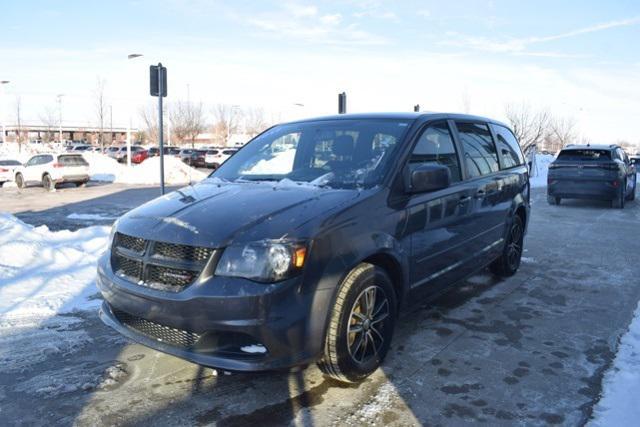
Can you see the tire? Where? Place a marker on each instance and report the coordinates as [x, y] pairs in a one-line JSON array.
[[352, 356], [81, 183], [20, 181], [47, 182], [632, 195], [618, 202], [553, 200], [509, 262]]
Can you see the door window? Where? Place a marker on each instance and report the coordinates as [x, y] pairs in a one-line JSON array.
[[508, 147], [33, 161], [435, 146], [480, 154]]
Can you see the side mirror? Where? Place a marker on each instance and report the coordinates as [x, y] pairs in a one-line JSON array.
[[428, 177]]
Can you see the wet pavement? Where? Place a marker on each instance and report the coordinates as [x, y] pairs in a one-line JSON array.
[[531, 349]]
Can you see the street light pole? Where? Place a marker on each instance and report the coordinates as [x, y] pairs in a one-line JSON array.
[[130, 56], [59, 96], [4, 127]]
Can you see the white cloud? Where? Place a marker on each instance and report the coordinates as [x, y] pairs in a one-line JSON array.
[[333, 19], [425, 13], [520, 45]]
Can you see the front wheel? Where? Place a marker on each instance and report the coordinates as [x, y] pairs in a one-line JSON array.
[[509, 261], [361, 325]]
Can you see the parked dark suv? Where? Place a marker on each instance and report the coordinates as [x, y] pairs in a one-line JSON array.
[[592, 172], [303, 246]]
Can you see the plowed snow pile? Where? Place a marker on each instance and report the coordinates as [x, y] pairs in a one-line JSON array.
[[104, 168], [43, 273]]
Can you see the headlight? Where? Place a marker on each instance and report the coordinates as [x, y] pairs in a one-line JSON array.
[[264, 261]]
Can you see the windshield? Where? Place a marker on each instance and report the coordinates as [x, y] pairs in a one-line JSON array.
[[336, 153]]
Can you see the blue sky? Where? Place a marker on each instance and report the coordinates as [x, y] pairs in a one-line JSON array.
[[578, 59]]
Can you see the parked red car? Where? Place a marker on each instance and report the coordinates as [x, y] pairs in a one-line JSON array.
[[139, 156]]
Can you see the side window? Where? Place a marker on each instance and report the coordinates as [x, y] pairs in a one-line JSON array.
[[436, 146], [45, 159], [481, 157], [508, 147], [33, 161]]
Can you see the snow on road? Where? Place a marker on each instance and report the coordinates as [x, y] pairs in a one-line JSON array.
[[618, 405], [44, 277]]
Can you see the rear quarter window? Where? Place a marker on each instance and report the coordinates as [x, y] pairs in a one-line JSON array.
[[508, 147]]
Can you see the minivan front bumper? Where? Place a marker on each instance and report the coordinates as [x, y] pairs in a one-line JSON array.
[[226, 323]]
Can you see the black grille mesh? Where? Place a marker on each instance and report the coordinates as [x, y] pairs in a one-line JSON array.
[[127, 267], [182, 252], [171, 279], [135, 244], [150, 263], [178, 337]]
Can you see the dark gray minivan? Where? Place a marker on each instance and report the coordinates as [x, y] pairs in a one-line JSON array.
[[304, 245]]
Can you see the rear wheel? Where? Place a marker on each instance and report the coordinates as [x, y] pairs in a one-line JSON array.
[[552, 200], [47, 182], [20, 180], [361, 325], [81, 183], [509, 261], [618, 202], [632, 195]]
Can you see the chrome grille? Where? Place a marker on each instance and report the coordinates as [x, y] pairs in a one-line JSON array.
[[157, 331], [158, 265]]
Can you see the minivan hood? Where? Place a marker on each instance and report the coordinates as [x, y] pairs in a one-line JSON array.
[[213, 214]]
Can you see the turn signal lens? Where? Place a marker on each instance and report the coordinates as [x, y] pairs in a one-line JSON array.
[[299, 257]]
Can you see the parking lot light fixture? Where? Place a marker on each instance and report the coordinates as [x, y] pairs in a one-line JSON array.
[[130, 56]]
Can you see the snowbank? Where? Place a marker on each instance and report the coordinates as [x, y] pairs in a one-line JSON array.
[[104, 168], [148, 172], [43, 273], [11, 150], [618, 405], [541, 170], [281, 163]]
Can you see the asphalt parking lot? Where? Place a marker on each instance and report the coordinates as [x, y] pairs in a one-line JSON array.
[[528, 350]]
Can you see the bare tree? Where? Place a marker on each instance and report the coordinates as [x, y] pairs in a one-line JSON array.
[[101, 109], [529, 126], [226, 120], [187, 120], [563, 131], [18, 113], [149, 116], [254, 121], [49, 119]]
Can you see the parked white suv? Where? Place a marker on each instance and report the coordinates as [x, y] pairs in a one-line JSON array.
[[217, 156], [49, 170], [7, 170]]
